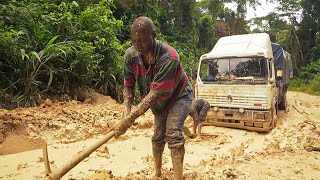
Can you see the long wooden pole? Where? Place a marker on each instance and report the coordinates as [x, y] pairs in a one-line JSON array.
[[57, 174]]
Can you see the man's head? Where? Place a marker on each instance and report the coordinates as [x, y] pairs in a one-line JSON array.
[[143, 35]]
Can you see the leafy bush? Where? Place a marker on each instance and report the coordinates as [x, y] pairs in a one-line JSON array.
[[29, 65], [308, 79]]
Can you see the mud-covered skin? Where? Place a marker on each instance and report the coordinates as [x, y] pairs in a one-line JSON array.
[[128, 95], [177, 157], [157, 151], [198, 111], [129, 119]]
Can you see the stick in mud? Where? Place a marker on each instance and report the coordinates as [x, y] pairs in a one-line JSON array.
[[57, 174]]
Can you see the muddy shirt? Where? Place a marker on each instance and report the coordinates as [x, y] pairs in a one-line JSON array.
[[165, 76], [199, 109]]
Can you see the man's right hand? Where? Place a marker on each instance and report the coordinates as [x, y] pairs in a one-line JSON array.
[[121, 127]]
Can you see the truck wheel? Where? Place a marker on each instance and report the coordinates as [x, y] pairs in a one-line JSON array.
[[283, 104]]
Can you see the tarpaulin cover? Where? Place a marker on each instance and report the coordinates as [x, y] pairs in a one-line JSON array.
[[278, 55], [282, 59]]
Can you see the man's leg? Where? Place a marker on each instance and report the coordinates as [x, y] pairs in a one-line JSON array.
[[158, 142], [174, 135], [194, 115], [177, 156], [195, 125], [157, 151], [199, 130]]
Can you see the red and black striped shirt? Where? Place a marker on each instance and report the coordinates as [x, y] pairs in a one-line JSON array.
[[165, 76]]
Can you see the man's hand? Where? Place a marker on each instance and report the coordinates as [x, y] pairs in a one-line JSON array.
[[200, 119], [122, 126]]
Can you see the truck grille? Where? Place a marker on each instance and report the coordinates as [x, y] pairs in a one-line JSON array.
[[236, 101], [240, 96]]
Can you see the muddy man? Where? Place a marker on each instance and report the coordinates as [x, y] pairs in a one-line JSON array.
[[198, 111], [164, 87]]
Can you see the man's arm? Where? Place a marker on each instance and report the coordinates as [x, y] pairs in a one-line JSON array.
[[204, 110], [128, 95], [193, 111], [144, 105], [129, 119]]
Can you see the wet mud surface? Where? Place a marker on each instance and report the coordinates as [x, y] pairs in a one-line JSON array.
[[289, 151]]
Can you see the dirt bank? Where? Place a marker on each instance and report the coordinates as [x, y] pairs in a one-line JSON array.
[[287, 152]]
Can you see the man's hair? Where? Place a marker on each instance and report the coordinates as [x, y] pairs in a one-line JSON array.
[[144, 23]]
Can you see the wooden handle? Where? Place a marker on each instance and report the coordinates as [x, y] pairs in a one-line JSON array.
[[57, 174]]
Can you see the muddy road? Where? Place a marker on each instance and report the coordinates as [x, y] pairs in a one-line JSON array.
[[289, 151]]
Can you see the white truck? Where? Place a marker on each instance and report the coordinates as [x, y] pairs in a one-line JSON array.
[[243, 82]]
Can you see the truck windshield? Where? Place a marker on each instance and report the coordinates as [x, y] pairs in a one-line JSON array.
[[233, 69]]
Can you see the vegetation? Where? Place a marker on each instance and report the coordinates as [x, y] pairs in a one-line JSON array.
[[50, 47], [308, 79]]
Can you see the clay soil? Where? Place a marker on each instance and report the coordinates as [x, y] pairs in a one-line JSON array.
[[289, 151]]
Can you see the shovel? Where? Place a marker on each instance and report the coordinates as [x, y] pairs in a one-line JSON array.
[[58, 173]]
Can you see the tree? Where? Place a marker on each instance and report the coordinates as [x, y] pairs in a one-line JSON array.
[[310, 25], [206, 32]]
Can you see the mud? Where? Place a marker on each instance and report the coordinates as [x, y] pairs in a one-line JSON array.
[[289, 151]]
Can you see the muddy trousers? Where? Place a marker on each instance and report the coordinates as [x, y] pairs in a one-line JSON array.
[[168, 127], [157, 151]]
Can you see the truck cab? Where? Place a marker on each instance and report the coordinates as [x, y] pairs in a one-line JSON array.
[[238, 78]]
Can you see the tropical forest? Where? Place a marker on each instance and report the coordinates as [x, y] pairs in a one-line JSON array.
[[48, 48], [63, 100]]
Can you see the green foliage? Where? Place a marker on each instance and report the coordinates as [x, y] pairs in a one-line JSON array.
[[314, 54], [310, 24], [308, 79], [176, 24], [282, 38], [36, 62], [94, 59], [38, 65], [206, 32]]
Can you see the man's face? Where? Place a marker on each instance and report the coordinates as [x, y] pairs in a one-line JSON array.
[[142, 40]]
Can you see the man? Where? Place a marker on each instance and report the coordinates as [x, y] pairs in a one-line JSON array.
[[198, 111], [164, 87]]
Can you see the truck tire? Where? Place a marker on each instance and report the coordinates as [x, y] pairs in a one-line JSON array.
[[274, 115], [283, 103]]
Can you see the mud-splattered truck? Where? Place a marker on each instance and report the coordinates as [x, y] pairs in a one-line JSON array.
[[245, 80]]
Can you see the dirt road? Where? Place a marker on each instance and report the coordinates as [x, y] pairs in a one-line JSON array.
[[287, 152]]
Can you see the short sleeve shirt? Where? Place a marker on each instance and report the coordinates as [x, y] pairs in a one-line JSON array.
[[165, 76]]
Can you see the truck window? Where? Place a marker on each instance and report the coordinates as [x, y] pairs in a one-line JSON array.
[[233, 69], [208, 70], [270, 70]]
